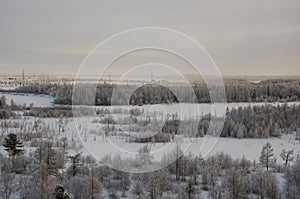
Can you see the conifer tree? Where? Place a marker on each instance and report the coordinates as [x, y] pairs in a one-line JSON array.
[[13, 145], [267, 156]]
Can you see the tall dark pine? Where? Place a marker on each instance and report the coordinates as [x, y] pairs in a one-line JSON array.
[[267, 156], [13, 145], [50, 160], [75, 161], [191, 190]]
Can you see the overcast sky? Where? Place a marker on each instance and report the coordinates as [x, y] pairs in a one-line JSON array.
[[251, 37]]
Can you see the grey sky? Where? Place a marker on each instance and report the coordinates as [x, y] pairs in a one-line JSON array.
[[251, 37]]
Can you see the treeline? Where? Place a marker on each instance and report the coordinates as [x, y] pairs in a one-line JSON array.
[[7, 111], [258, 121], [236, 91], [249, 122], [10, 110], [243, 122], [49, 112]]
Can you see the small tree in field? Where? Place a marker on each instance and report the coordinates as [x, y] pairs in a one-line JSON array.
[[267, 156]]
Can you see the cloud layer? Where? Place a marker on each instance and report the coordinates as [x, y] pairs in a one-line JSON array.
[[243, 37]]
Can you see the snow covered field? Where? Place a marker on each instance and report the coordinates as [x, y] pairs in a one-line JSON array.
[[206, 146], [250, 148], [26, 98]]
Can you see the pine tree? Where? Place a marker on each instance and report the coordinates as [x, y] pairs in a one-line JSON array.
[[60, 193], [144, 156], [6, 178], [267, 156], [13, 145], [45, 156], [138, 190], [83, 186], [210, 175], [154, 185], [2, 102], [191, 190], [292, 178], [75, 161], [51, 160], [276, 131], [233, 183], [124, 183], [298, 134], [271, 186], [159, 182], [178, 160]]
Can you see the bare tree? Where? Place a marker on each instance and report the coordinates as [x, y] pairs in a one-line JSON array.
[[287, 156]]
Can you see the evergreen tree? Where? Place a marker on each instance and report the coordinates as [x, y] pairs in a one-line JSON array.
[[60, 193], [45, 156], [6, 178], [267, 156], [191, 190], [51, 162], [75, 161], [13, 145], [84, 187], [159, 183], [124, 183], [233, 183], [266, 185], [138, 190], [2, 102], [210, 175], [292, 178]]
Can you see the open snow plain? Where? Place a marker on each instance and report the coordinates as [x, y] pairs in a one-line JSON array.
[[88, 132]]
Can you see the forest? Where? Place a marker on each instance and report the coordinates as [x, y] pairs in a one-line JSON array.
[[236, 91], [49, 172]]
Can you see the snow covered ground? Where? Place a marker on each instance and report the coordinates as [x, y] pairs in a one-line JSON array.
[[26, 98], [248, 148], [206, 146], [118, 144]]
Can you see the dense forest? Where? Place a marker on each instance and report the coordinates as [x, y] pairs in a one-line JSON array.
[[236, 91], [258, 121], [250, 122]]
